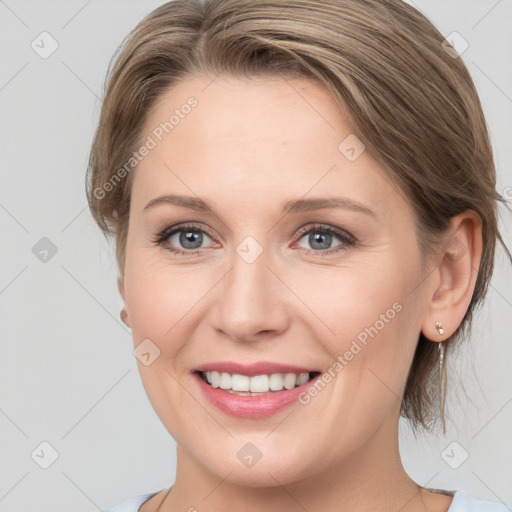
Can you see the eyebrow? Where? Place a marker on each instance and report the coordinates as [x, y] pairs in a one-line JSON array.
[[291, 206]]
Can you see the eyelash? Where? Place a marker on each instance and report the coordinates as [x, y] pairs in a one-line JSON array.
[[347, 240]]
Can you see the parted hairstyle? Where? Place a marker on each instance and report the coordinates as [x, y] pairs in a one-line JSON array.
[[407, 96]]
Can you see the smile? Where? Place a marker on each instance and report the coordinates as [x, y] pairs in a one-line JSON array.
[[251, 393], [244, 385]]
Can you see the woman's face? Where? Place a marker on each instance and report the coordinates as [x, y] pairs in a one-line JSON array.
[[269, 274]]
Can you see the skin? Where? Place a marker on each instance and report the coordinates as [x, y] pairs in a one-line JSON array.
[[247, 147]]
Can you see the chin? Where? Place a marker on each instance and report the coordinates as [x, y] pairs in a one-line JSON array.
[[274, 467]]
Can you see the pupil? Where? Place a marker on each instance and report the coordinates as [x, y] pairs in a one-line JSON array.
[[190, 237], [324, 239]]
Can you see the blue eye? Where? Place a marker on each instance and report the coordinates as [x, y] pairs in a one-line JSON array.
[[321, 238], [188, 239]]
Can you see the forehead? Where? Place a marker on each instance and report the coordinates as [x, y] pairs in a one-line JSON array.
[[262, 107], [265, 138]]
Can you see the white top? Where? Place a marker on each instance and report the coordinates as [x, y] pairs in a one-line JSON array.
[[462, 502]]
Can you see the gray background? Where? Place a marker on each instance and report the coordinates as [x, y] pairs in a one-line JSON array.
[[67, 372]]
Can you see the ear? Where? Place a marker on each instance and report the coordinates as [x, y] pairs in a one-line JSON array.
[[453, 279], [120, 287]]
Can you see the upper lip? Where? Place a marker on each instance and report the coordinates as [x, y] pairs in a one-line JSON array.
[[258, 368]]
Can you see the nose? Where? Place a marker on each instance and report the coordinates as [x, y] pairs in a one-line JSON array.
[[250, 302]]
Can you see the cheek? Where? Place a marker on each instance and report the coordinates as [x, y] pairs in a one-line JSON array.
[[368, 320], [160, 299], [356, 302]]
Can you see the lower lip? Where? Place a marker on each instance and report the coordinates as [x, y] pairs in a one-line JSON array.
[[252, 407]]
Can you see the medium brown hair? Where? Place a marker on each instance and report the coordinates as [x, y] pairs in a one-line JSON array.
[[413, 105]]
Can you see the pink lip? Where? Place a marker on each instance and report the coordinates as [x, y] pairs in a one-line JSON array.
[[252, 407], [260, 368]]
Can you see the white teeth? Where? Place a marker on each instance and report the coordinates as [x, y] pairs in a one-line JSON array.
[[257, 383], [225, 381], [303, 378], [290, 379], [214, 379], [239, 382], [276, 382]]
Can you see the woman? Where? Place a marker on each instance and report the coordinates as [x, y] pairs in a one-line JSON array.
[[304, 208]]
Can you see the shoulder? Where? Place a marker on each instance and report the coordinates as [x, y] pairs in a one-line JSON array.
[[463, 502], [131, 505]]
